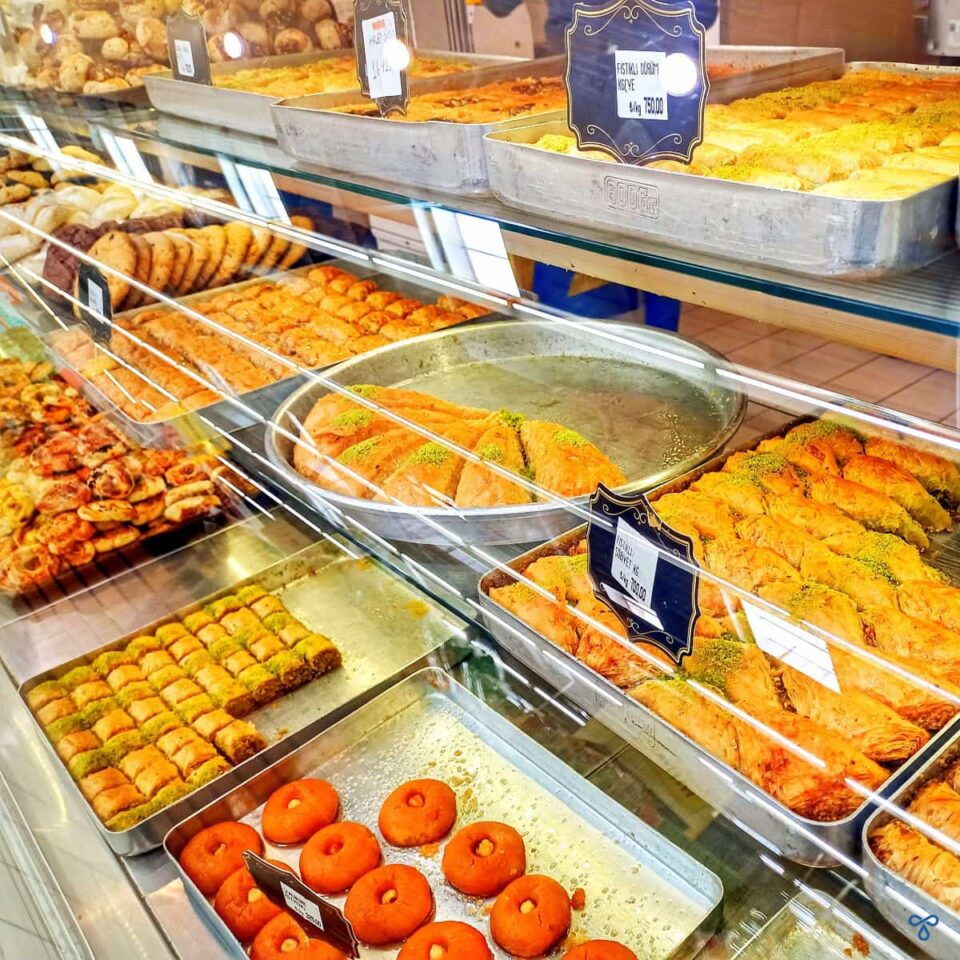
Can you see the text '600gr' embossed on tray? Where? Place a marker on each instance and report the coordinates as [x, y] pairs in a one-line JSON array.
[[638, 198]]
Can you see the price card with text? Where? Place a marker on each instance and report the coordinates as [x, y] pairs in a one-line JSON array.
[[645, 571], [321, 919], [637, 79], [383, 53], [93, 292], [187, 43]]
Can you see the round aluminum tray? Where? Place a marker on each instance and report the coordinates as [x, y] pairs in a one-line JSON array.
[[648, 399]]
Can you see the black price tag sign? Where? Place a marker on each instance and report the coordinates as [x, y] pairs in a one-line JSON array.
[[187, 43], [637, 79], [93, 292], [645, 571], [320, 918], [381, 39]]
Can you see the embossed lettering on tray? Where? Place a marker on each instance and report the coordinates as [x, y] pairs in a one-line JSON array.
[[639, 198]]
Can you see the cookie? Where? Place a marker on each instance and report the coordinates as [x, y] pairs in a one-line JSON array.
[[29, 178], [238, 236], [199, 254], [181, 257], [296, 250], [136, 297], [161, 260], [278, 247], [216, 238], [115, 249], [259, 245], [16, 193]]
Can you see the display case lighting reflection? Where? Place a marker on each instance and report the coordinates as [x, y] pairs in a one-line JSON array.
[[46, 34], [679, 74], [396, 55], [232, 45]]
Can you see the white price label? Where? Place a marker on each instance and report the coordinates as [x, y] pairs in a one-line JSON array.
[[301, 905], [383, 77], [184, 53], [791, 644], [94, 296], [634, 567], [641, 91]]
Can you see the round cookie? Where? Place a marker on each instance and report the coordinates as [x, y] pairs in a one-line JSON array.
[[243, 906], [388, 904], [335, 857], [199, 254], [259, 245], [216, 852], [162, 253], [418, 812], [530, 916], [181, 257], [135, 296], [238, 237], [216, 238], [482, 858], [600, 950], [446, 940], [296, 250], [298, 809], [115, 249]]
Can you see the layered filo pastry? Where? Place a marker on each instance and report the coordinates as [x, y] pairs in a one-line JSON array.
[[830, 528]]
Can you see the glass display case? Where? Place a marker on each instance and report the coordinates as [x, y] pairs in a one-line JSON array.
[[404, 493]]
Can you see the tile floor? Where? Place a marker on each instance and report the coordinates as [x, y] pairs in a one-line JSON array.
[[911, 388]]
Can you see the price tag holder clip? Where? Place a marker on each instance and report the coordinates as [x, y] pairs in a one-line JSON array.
[[187, 43], [636, 79], [319, 918], [644, 571], [382, 43]]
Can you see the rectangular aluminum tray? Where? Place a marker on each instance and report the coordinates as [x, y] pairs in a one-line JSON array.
[[898, 899], [786, 229], [250, 112], [666, 903], [230, 413], [797, 838], [440, 156], [771, 68], [814, 926], [355, 602]]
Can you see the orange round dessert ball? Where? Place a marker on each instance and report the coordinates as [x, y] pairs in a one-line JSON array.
[[298, 809], [284, 939], [482, 858], [530, 916], [418, 812], [216, 852], [600, 950], [336, 857], [388, 904], [446, 940], [243, 906]]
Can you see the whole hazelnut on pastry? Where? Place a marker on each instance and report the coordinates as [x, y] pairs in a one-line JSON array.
[[152, 37], [74, 72], [292, 41]]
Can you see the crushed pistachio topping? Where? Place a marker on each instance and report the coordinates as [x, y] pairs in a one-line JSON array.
[[491, 451], [359, 451], [570, 438], [352, 418], [434, 454]]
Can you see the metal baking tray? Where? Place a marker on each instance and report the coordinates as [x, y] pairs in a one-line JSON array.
[[806, 841], [39, 96], [800, 232], [250, 112], [441, 156], [230, 413], [814, 926], [771, 68], [356, 603], [646, 398], [896, 898], [667, 904]]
